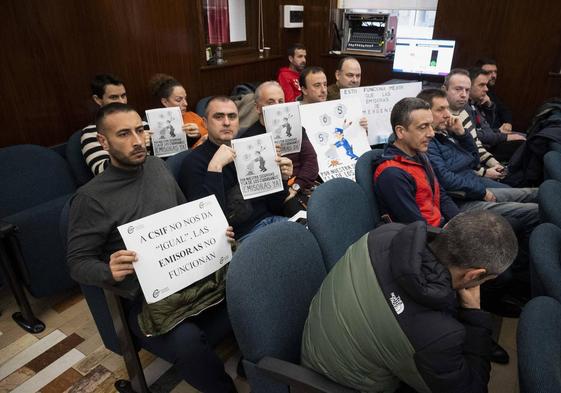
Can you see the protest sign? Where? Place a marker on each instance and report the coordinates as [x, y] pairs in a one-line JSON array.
[[283, 121], [377, 103], [166, 125], [258, 173], [178, 246], [338, 139]]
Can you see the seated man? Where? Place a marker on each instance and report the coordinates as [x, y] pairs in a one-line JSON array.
[[210, 169], [347, 75], [305, 162], [105, 90], [501, 142], [134, 186], [457, 86], [313, 83], [407, 307], [497, 114], [404, 180], [288, 77]]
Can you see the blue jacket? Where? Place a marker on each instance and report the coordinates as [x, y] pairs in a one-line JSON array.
[[455, 159]]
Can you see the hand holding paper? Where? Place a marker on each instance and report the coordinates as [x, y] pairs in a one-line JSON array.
[[120, 264]]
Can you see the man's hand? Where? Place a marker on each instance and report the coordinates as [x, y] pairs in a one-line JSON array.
[[291, 194], [515, 137], [496, 172], [486, 101], [489, 196], [230, 235], [470, 297], [223, 156], [454, 126], [506, 128], [191, 130], [363, 122], [120, 264], [285, 165], [147, 137]]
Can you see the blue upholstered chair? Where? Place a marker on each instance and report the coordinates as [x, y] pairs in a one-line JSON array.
[[75, 158], [539, 346], [364, 174], [36, 182], [545, 257], [552, 165], [271, 281], [201, 105], [555, 146], [339, 213], [174, 162], [549, 199]]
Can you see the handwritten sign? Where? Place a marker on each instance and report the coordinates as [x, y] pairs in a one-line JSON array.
[[258, 173], [166, 125], [336, 135], [178, 246], [377, 103], [283, 121]]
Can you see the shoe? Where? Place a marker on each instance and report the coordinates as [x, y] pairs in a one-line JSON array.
[[506, 306], [499, 354]]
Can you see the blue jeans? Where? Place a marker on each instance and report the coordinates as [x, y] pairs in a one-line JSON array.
[[490, 183], [263, 223]]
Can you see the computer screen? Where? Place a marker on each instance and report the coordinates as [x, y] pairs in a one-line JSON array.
[[423, 56]]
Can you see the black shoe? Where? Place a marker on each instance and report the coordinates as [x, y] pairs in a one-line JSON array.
[[499, 354], [507, 306]]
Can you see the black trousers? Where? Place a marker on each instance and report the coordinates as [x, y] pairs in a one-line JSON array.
[[189, 347]]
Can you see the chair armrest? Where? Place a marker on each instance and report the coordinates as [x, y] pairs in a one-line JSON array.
[[299, 377], [125, 289]]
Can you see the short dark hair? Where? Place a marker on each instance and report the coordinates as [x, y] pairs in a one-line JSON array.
[[99, 82], [430, 94], [455, 71], [109, 109], [485, 60], [401, 111], [477, 239], [306, 72], [220, 98], [343, 60], [161, 85], [294, 47], [474, 72]]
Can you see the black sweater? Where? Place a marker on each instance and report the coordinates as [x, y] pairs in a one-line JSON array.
[[197, 182]]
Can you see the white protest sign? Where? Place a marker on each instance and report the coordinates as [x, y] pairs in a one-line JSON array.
[[283, 121], [377, 104], [338, 139], [166, 125], [178, 246], [258, 173]]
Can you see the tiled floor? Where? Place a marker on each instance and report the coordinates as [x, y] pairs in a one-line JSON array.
[[70, 357]]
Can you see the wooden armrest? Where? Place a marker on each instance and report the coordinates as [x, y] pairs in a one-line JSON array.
[[299, 377]]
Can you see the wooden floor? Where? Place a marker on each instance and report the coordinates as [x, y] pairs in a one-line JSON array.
[[70, 357]]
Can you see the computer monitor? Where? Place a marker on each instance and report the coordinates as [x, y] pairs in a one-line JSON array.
[[423, 56]]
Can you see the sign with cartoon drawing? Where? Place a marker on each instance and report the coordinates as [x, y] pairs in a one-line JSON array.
[[377, 103], [258, 172], [283, 121], [338, 139], [166, 125]]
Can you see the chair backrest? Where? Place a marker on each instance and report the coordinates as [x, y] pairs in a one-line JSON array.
[[539, 346], [31, 175], [549, 199], [174, 163], [76, 159], [201, 105], [364, 173], [555, 146], [271, 281], [552, 165], [338, 215], [545, 257]]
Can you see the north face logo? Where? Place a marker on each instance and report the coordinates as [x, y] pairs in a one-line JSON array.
[[397, 303]]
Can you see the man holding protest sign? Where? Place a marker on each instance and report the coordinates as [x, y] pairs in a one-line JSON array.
[[210, 170], [132, 187]]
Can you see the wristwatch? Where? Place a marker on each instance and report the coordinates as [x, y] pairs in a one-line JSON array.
[[295, 187]]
